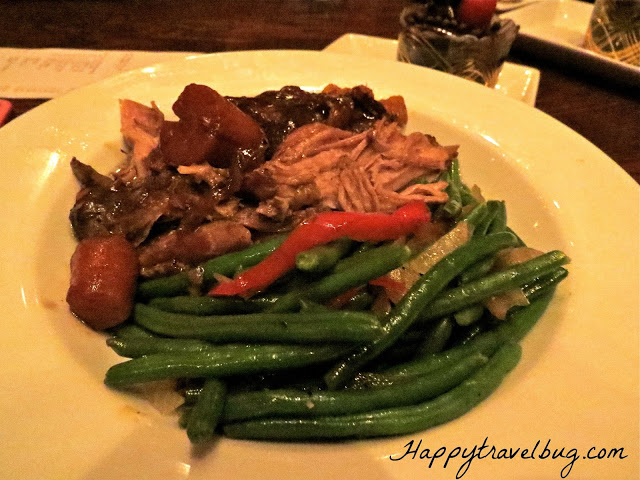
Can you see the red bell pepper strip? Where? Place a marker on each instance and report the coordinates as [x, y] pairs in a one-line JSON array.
[[321, 229]]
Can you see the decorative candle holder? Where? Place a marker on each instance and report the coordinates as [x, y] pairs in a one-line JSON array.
[[439, 42]]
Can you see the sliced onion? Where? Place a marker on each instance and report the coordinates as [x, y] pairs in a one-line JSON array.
[[508, 257], [500, 304], [162, 395], [411, 271], [393, 289], [427, 234], [456, 237]]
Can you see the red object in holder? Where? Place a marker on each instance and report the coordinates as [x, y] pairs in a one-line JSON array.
[[477, 13], [321, 229], [5, 110]]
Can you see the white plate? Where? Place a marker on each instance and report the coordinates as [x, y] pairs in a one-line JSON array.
[[555, 29], [576, 386], [515, 81]]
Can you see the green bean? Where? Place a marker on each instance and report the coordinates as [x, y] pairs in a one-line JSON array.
[[478, 270], [454, 171], [359, 257], [468, 315], [482, 227], [455, 190], [415, 301], [452, 207], [361, 300], [544, 283], [428, 363], [431, 362], [499, 222], [226, 265], [474, 292], [137, 347], [373, 264], [476, 215], [353, 260], [323, 257], [131, 330], [308, 327], [178, 284], [391, 421], [211, 305], [279, 403], [221, 361], [229, 264], [206, 412], [519, 321], [465, 194], [465, 335], [313, 307], [437, 337], [521, 242]]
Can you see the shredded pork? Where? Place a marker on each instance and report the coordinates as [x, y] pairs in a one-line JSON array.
[[179, 248], [140, 127], [368, 171]]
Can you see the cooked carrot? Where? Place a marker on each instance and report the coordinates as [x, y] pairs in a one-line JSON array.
[[104, 271]]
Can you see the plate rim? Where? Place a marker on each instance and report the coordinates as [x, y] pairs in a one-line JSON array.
[[487, 98]]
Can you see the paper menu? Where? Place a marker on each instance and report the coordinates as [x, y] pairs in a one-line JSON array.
[[49, 72]]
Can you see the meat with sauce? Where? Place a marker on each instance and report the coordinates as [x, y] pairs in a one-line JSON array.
[[207, 184], [177, 249], [279, 112]]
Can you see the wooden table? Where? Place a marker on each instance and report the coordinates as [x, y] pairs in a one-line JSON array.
[[605, 113]]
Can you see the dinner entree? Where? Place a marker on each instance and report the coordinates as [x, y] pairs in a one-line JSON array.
[[300, 267]]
